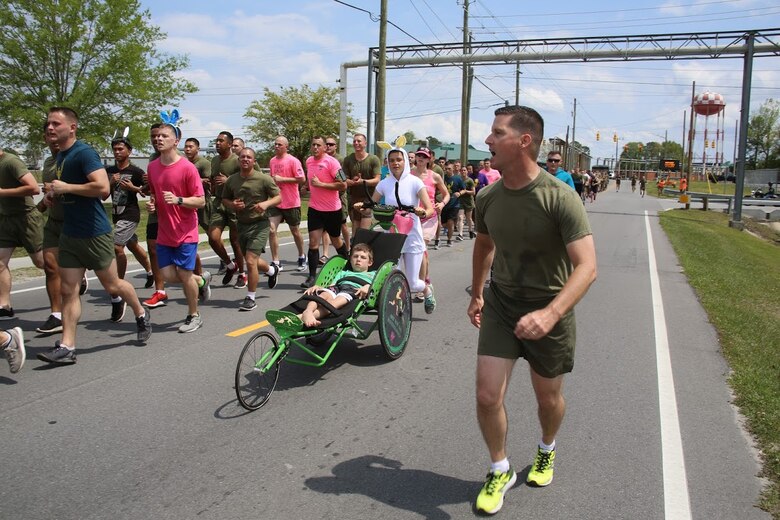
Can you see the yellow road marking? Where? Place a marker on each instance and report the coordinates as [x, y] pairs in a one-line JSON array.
[[239, 332]]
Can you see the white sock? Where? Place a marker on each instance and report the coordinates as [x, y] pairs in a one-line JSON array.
[[67, 347], [251, 295], [161, 292], [500, 466], [149, 273], [271, 270], [546, 447], [116, 300], [57, 315], [231, 265]]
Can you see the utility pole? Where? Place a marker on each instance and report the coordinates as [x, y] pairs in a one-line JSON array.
[[517, 84], [380, 79], [573, 145], [466, 90]]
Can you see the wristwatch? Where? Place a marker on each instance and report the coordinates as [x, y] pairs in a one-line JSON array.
[[180, 201]]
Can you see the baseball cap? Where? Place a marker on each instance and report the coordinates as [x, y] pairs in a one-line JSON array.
[[424, 151]]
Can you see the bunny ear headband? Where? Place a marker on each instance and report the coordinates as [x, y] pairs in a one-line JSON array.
[[171, 118], [399, 143], [123, 139], [125, 133]]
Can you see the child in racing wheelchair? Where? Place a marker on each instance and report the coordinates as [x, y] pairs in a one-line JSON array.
[[346, 286]]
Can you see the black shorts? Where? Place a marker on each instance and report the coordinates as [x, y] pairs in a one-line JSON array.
[[449, 213], [330, 221], [151, 231]]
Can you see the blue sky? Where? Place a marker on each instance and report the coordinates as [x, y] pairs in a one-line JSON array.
[[236, 49]]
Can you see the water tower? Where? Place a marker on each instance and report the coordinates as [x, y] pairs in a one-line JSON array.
[[710, 104]]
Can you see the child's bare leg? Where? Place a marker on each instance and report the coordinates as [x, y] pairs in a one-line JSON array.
[[308, 315]]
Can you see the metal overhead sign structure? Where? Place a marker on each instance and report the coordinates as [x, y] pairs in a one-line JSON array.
[[649, 47]]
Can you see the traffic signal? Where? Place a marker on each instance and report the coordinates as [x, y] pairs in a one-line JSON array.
[[614, 138], [706, 144], [598, 136]]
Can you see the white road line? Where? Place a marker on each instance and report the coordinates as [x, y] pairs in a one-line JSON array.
[[676, 502]]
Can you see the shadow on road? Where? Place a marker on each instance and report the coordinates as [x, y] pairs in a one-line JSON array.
[[386, 481]]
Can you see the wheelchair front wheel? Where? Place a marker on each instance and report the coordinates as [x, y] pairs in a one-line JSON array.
[[255, 380], [395, 314]]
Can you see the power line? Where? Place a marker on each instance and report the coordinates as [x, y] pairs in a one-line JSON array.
[[579, 13]]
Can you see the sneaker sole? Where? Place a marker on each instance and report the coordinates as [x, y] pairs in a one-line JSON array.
[[49, 361], [154, 305], [191, 330], [508, 486], [243, 309], [534, 483], [49, 331]]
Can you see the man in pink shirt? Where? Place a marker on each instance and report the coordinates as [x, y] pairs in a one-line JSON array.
[[326, 179], [491, 174], [177, 194], [287, 172]]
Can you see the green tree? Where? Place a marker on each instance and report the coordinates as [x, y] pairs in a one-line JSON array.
[[298, 114], [763, 150], [98, 57]]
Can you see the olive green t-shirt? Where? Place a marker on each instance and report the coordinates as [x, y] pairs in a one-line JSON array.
[[531, 228], [12, 169], [48, 175], [226, 167], [368, 168], [258, 187]]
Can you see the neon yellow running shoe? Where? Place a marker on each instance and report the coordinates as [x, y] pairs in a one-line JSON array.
[[541, 473], [491, 496]]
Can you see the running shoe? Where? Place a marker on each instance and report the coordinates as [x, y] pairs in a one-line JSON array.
[[58, 355], [7, 314], [144, 325], [118, 311], [222, 267], [302, 264], [491, 496], [459, 238], [472, 235], [205, 291], [14, 351], [419, 297], [50, 326], [449, 243], [278, 265], [247, 305], [541, 473], [272, 279], [309, 282], [430, 302], [158, 299], [229, 274], [84, 284], [240, 281], [149, 281], [191, 323], [436, 244]]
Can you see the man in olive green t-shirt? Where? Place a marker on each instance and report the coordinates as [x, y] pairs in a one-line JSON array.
[[250, 193], [20, 223], [360, 167], [223, 165], [534, 230]]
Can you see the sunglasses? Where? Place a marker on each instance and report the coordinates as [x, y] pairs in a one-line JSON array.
[[330, 144], [554, 160]]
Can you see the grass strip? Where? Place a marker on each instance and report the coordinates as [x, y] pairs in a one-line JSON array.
[[737, 279]]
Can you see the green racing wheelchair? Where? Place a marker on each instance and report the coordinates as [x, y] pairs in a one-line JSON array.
[[389, 300]]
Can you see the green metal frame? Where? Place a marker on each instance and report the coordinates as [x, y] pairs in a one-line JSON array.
[[291, 331]]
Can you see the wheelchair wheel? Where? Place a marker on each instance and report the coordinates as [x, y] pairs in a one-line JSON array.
[[254, 380], [395, 314]]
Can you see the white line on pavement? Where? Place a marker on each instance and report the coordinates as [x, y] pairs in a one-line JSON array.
[[676, 502]]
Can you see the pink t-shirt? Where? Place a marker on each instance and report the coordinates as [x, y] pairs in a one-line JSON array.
[[327, 170], [491, 175], [176, 224], [290, 167]]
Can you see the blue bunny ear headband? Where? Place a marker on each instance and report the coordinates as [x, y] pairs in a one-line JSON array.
[[171, 118]]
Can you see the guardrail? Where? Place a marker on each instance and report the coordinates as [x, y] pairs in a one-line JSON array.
[[705, 199]]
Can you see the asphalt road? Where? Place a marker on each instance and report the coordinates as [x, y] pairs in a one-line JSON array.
[[155, 431]]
